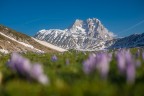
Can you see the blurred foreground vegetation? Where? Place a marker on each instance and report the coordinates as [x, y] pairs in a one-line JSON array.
[[68, 79]]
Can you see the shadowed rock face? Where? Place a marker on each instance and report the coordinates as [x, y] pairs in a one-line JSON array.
[[82, 35], [135, 40]]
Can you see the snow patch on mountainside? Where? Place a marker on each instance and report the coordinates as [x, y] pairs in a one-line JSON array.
[[27, 45], [50, 45]]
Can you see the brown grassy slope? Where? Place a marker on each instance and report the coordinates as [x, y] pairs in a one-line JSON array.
[[24, 38]]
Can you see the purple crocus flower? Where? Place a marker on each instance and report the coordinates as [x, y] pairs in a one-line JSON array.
[[54, 58], [121, 60], [130, 73], [103, 60], [89, 64], [36, 70], [129, 58], [99, 62], [19, 64], [23, 66], [37, 73], [127, 64]]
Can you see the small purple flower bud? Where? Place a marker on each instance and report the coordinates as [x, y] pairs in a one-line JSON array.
[[67, 62], [54, 58], [138, 53], [143, 55]]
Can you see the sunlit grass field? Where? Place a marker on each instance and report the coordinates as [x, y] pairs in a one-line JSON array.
[[67, 77]]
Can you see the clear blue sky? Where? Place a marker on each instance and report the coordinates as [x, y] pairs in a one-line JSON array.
[[122, 17]]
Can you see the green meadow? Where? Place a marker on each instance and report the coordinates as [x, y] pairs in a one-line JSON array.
[[68, 78]]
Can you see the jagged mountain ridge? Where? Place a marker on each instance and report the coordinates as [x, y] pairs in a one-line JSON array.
[[12, 41], [82, 35]]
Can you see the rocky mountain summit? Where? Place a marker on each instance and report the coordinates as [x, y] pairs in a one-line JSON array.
[[85, 35]]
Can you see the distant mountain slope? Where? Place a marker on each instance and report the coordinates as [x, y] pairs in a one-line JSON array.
[[10, 41], [135, 40], [82, 35]]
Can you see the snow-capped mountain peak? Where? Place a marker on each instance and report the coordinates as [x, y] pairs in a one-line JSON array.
[[82, 35], [92, 27]]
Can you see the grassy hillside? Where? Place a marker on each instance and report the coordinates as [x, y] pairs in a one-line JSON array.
[[13, 33], [23, 38]]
